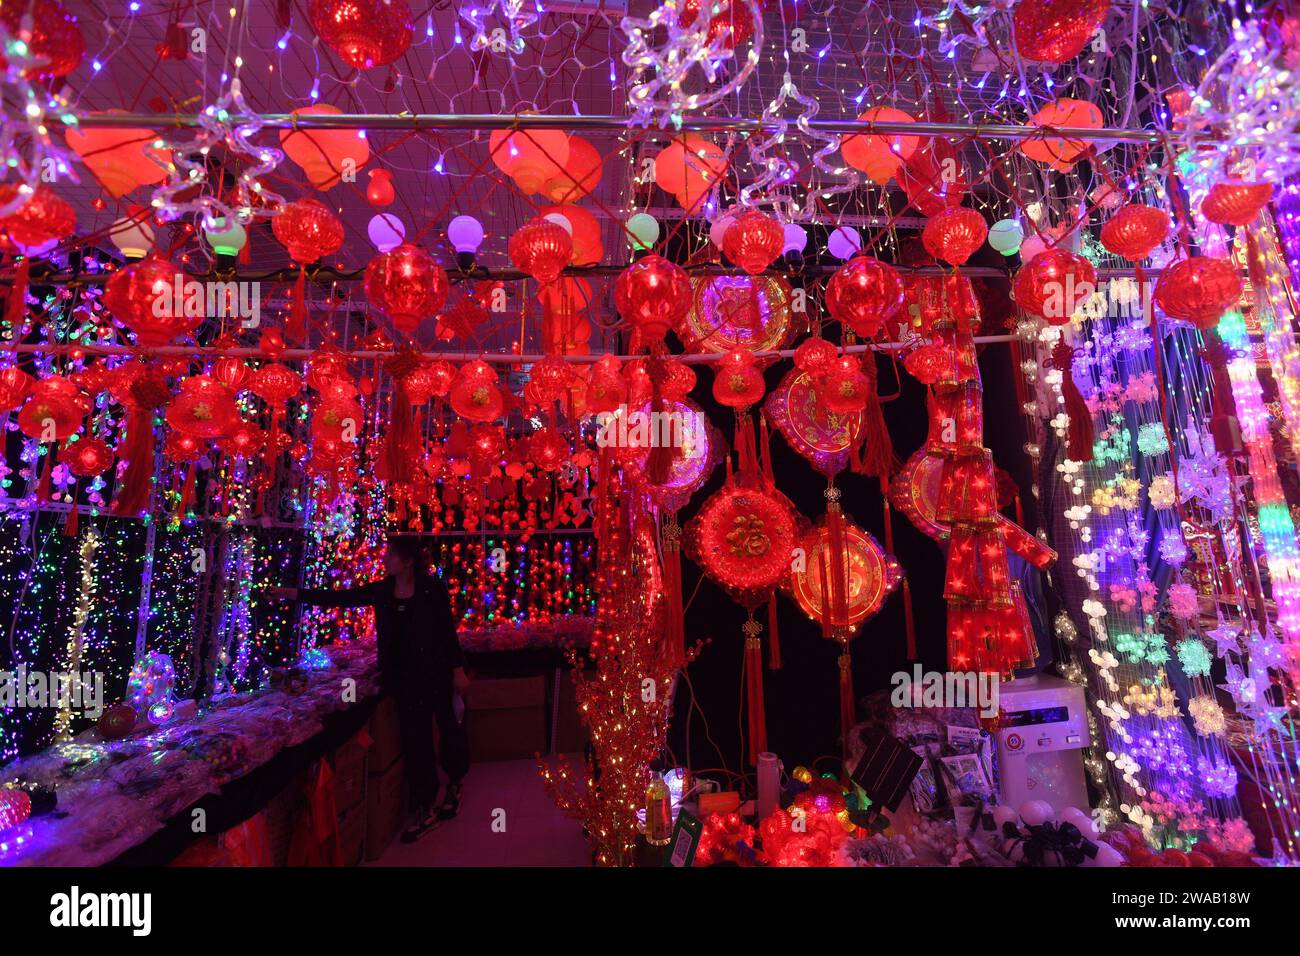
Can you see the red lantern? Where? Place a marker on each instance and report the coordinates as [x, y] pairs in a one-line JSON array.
[[580, 175], [55, 37], [588, 248], [737, 384], [54, 410], [308, 230], [606, 390], [653, 294], [542, 249], [88, 457], [753, 241], [324, 154], [364, 33], [1198, 290], [148, 297], [380, 192], [1053, 31], [880, 154], [14, 386], [678, 381], [1234, 203], [954, 235], [732, 27], [863, 294], [548, 450], [204, 408], [689, 167], [475, 395], [43, 218], [1054, 284], [847, 389], [244, 440], [743, 537], [441, 374], [122, 158], [814, 355], [531, 157], [275, 384], [929, 363], [1134, 231], [934, 177], [1064, 113], [406, 285]]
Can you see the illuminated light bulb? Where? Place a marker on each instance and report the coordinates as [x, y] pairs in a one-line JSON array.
[[844, 243], [644, 229], [386, 232], [795, 239], [133, 238], [226, 238], [465, 233]]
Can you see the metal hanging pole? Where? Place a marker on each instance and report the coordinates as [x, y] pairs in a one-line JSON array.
[[697, 124]]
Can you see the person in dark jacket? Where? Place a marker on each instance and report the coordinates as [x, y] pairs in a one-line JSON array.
[[421, 665]]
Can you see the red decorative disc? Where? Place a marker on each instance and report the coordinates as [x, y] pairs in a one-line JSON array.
[[743, 537], [872, 574], [820, 435], [738, 312]]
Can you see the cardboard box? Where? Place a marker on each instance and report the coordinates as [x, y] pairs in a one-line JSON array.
[[506, 718], [385, 735], [349, 763], [385, 809], [352, 834]]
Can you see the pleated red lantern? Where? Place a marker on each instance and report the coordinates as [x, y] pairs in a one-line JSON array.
[[406, 285], [1198, 290], [144, 296], [1054, 284], [879, 155], [244, 441], [55, 37], [730, 28], [122, 158], [954, 235], [1053, 31], [1064, 113], [54, 410], [863, 294], [15, 384], [275, 384], [548, 450], [580, 175], [814, 355], [653, 294], [364, 33], [441, 374], [929, 363], [44, 217], [542, 249], [1134, 231], [204, 408], [737, 384], [1234, 203], [308, 230], [753, 241]]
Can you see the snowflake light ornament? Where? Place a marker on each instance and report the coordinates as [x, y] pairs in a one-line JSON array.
[[516, 15]]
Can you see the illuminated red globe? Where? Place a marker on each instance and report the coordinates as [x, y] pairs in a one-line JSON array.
[[364, 33]]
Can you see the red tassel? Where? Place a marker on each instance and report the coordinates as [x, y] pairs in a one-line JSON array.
[[765, 452], [73, 521], [774, 642], [43, 480], [296, 328], [17, 302], [877, 458], [132, 496], [1079, 437], [848, 708], [187, 493], [754, 692], [402, 436], [837, 597], [674, 630], [908, 619]]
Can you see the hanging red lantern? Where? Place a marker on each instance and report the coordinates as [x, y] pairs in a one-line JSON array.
[[929, 363], [732, 27], [753, 241], [653, 294], [15, 384], [678, 381], [54, 410], [121, 158], [954, 235], [606, 390], [742, 538], [475, 395], [1053, 31], [1234, 203], [863, 294], [88, 457], [588, 247], [1054, 284], [1198, 290], [244, 441], [308, 230], [580, 175], [870, 575], [689, 167], [183, 449], [380, 191], [338, 417], [204, 408], [814, 355], [847, 389], [364, 33], [441, 374], [542, 249], [55, 37], [548, 450], [1135, 231], [406, 285], [934, 177], [149, 298], [1064, 113], [43, 218], [879, 155], [325, 155], [531, 157], [737, 384], [275, 384], [550, 378], [328, 365]]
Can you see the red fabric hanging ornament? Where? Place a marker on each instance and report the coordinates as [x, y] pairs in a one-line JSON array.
[[954, 235], [364, 33], [1234, 203], [653, 295], [679, 380], [1053, 31], [1198, 290], [863, 294], [1079, 437], [606, 390], [1054, 284], [475, 395], [406, 285], [88, 457], [928, 363], [140, 390], [204, 408], [153, 299], [328, 365], [1135, 231], [731, 27], [43, 218], [736, 382], [55, 38], [244, 440], [548, 450], [753, 241], [542, 249]]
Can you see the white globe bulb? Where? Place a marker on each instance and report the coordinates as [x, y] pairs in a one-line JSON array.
[[133, 239], [386, 232], [465, 234], [844, 243], [560, 220], [644, 229], [796, 240]]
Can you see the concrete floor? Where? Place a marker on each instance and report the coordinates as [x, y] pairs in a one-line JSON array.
[[506, 819]]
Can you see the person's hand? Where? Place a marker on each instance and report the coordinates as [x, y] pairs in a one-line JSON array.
[[282, 594], [460, 680]]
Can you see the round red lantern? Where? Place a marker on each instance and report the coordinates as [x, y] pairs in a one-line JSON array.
[[929, 363], [863, 294], [324, 154], [88, 457], [43, 218], [689, 167], [328, 365], [148, 297], [542, 249], [1053, 31], [475, 395], [308, 230], [730, 28], [531, 157], [815, 355], [54, 410], [580, 175], [653, 294], [954, 235], [588, 247], [275, 384], [548, 450], [1134, 231], [117, 721], [121, 158], [678, 381], [55, 37], [441, 374], [847, 389], [204, 408], [14, 386], [753, 241], [880, 154], [743, 537], [1054, 284], [364, 33], [1064, 113], [606, 390], [1234, 203], [244, 440], [406, 285], [1198, 290], [737, 386]]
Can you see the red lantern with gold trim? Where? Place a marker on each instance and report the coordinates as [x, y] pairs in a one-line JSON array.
[[954, 235], [542, 249], [1054, 284], [1135, 231], [406, 285], [653, 294], [753, 241], [1198, 290], [863, 294]]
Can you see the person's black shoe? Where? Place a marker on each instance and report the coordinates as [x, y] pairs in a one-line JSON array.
[[424, 822], [450, 804]]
